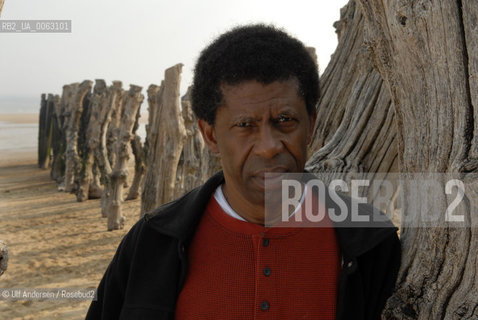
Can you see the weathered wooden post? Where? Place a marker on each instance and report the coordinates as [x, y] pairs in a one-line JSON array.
[[3, 257], [89, 186], [45, 131], [50, 110], [72, 158], [57, 141], [139, 167], [122, 149], [41, 130], [189, 175], [151, 131], [63, 114], [115, 98], [164, 150], [139, 161]]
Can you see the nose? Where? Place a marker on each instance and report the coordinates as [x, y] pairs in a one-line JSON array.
[[268, 143]]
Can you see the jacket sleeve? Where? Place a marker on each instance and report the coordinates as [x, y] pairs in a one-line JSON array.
[[384, 274], [111, 290]]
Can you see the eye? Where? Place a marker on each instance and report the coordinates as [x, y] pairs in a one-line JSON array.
[[284, 118], [244, 124]]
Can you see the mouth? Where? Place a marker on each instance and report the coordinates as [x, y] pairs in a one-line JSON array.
[[270, 178]]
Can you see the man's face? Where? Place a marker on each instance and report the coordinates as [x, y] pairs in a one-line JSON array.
[[258, 128]]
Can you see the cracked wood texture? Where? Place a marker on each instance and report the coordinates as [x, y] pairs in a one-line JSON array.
[[89, 183], [197, 163], [427, 54], [75, 110], [355, 130], [122, 148], [115, 95], [139, 161], [63, 114], [165, 143]]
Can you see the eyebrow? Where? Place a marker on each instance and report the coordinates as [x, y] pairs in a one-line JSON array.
[[243, 117]]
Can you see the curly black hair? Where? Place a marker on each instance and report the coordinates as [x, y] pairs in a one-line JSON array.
[[253, 52]]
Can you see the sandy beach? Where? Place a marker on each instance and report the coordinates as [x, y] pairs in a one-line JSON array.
[[53, 240]]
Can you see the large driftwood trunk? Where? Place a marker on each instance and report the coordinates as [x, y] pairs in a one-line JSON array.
[[72, 159], [89, 186], [427, 53], [122, 148], [164, 148], [355, 130], [3, 257]]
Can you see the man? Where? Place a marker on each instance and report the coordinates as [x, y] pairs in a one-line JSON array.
[[208, 255]]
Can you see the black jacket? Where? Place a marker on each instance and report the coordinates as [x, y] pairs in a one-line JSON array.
[[149, 268]]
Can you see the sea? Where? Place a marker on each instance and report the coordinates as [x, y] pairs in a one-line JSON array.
[[24, 136]]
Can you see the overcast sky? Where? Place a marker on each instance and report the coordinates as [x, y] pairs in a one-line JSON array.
[[135, 41]]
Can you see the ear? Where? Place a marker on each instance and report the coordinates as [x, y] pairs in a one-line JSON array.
[[208, 134], [312, 119]]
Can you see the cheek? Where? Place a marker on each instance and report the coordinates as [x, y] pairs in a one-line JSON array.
[[297, 145], [233, 155]]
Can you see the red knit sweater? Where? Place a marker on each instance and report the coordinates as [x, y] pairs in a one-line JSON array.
[[241, 270]]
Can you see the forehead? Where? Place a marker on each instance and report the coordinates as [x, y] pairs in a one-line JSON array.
[[251, 96]]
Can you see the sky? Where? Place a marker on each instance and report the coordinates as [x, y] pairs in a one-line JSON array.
[[135, 41]]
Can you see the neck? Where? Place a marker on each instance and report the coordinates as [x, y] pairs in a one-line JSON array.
[[251, 212]]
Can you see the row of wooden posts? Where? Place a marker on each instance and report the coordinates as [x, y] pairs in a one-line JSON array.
[[88, 135]]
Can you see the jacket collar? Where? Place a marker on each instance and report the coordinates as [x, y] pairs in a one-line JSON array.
[[180, 218]]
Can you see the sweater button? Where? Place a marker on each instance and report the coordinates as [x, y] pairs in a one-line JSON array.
[[267, 271], [265, 242], [350, 264], [265, 305]]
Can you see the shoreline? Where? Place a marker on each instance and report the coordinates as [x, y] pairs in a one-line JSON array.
[[20, 118]]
